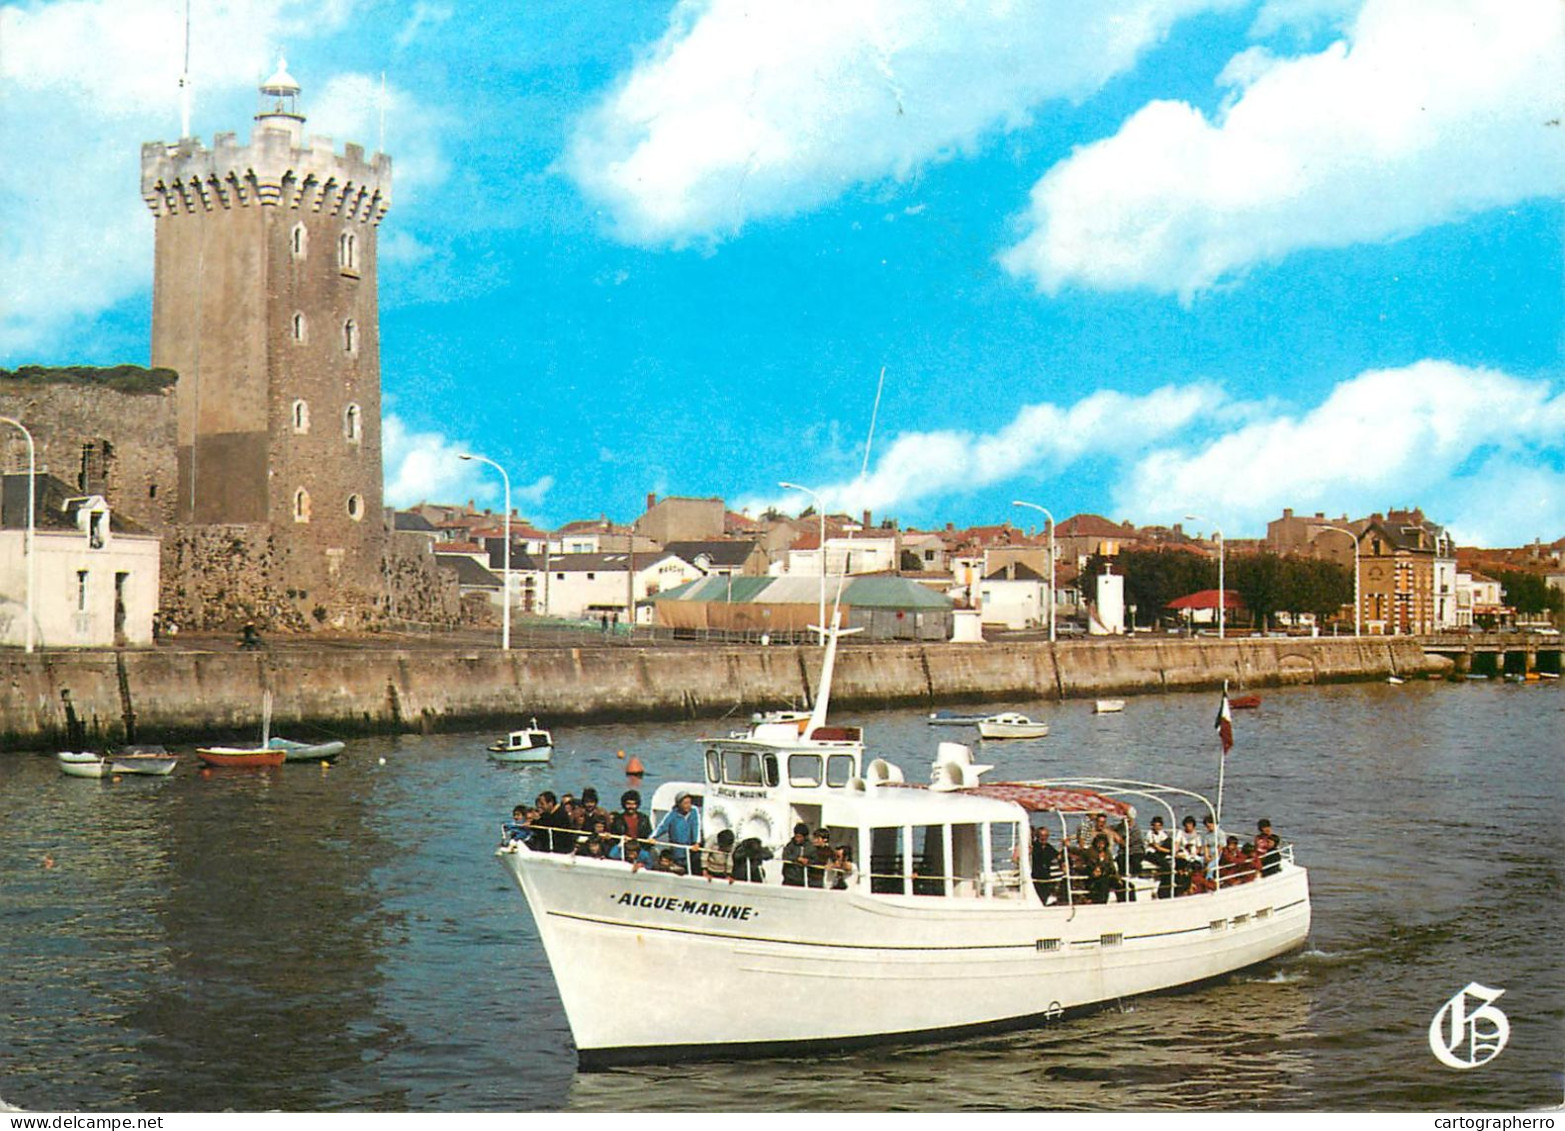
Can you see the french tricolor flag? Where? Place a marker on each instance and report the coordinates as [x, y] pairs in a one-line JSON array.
[[1225, 723]]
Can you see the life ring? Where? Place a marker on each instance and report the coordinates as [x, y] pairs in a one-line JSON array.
[[716, 819], [757, 823]]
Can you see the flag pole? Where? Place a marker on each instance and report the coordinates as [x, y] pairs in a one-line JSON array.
[[1225, 740]]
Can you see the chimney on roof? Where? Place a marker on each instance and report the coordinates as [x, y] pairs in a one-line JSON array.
[[652, 499], [1287, 513], [866, 519]]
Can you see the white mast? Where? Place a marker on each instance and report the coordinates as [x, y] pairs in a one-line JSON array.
[[184, 81]]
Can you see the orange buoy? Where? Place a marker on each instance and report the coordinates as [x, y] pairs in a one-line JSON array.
[[634, 768]]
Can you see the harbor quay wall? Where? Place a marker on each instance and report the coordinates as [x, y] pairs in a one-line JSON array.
[[168, 695]]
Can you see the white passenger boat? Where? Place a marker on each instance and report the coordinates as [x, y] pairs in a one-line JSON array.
[[1011, 725], [938, 932], [530, 744]]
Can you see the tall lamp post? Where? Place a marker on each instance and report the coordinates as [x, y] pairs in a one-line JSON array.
[[1050, 517], [820, 513], [30, 564], [1357, 606], [1222, 591], [505, 603]]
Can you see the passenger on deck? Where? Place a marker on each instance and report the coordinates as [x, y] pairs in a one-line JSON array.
[[1182, 874], [1128, 832], [1234, 864], [596, 847], [681, 825], [597, 828], [667, 863], [796, 856], [1212, 840], [1046, 870], [1096, 824], [1102, 870], [1200, 881], [821, 857], [591, 810], [1160, 856], [717, 862], [637, 852], [840, 871], [749, 855], [1267, 844], [630, 821], [517, 828], [1187, 844], [552, 831]]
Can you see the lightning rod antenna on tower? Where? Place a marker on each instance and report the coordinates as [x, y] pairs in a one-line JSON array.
[[184, 81], [381, 148]]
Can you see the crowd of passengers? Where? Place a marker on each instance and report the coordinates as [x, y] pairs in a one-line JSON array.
[[1188, 862], [584, 828], [1184, 862]]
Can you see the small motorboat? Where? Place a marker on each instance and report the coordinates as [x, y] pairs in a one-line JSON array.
[[531, 744], [1107, 706], [1011, 725], [153, 761], [82, 763], [1245, 702], [306, 751]]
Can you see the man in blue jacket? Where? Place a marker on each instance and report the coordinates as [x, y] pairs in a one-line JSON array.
[[681, 825]]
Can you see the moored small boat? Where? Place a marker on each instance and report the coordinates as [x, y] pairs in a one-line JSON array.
[[306, 751], [530, 744], [243, 756], [954, 719], [82, 763], [1010, 724], [1108, 706], [153, 761], [1245, 702]]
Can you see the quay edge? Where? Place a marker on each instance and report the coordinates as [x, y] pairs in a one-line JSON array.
[[169, 695]]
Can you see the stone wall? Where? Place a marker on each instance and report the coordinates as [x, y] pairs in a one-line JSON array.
[[172, 695]]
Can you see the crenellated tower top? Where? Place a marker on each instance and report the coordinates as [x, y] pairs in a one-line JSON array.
[[277, 168]]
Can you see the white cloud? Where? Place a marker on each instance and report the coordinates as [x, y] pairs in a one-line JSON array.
[[1042, 439], [1479, 450], [428, 467], [748, 110], [1428, 112], [84, 83]]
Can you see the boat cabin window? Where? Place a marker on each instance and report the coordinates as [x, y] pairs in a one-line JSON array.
[[739, 767], [804, 769], [886, 854], [840, 769], [929, 860], [967, 858]]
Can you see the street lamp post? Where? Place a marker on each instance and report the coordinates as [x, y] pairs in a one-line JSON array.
[[820, 513], [29, 559], [505, 602], [1357, 602], [1050, 517], [1222, 591]]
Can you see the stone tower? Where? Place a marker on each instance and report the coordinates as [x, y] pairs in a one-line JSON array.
[[264, 302]]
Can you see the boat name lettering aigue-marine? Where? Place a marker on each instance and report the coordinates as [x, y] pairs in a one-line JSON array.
[[687, 906]]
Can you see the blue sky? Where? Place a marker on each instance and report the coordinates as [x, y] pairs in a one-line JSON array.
[[1143, 258]]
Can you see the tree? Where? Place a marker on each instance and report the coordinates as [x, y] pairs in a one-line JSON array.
[[1528, 592]]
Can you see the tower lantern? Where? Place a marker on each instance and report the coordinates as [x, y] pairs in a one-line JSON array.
[[279, 105]]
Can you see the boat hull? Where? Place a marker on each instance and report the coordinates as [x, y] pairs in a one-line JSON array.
[[152, 765], [306, 751], [81, 765], [1013, 730], [235, 756], [859, 968], [531, 754]]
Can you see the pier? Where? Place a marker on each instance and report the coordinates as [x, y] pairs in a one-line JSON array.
[[186, 693]]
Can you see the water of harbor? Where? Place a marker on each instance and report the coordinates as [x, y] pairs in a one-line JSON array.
[[340, 939]]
